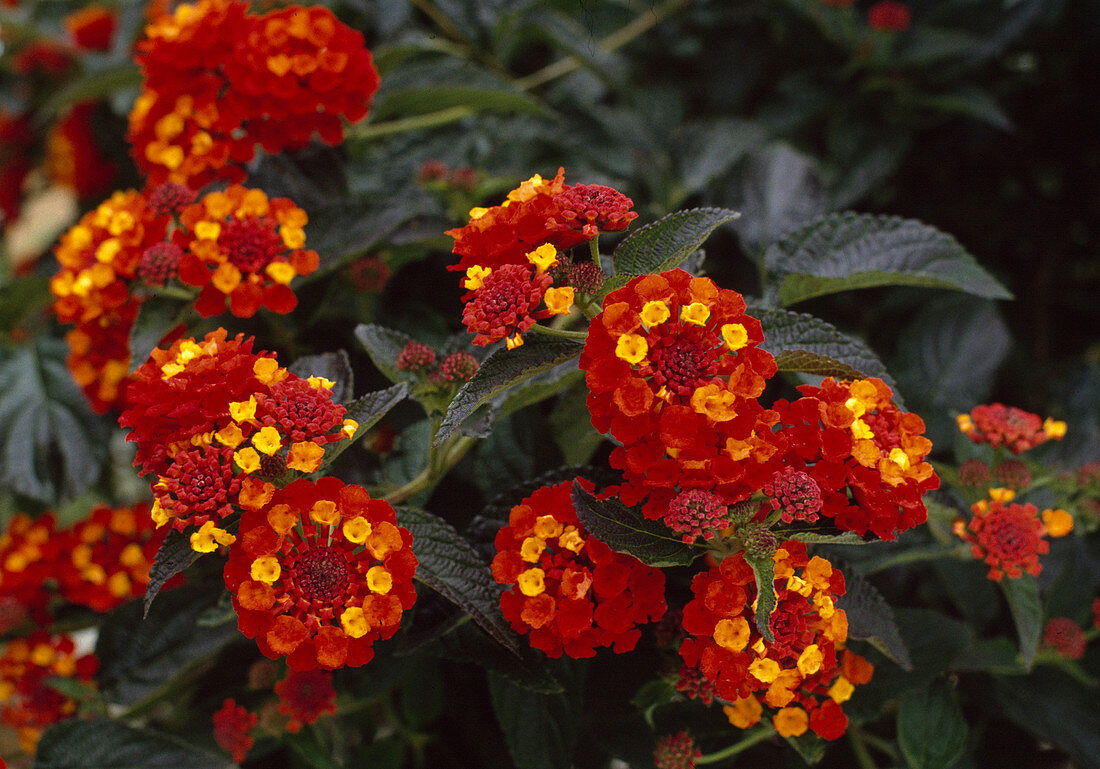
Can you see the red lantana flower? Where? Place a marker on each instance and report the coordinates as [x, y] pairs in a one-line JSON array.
[[676, 751], [305, 696], [1007, 536], [92, 27], [799, 669], [673, 370], [232, 724], [73, 158], [570, 591], [1066, 637], [319, 572], [28, 703], [1015, 429], [219, 81], [29, 548], [889, 16], [243, 248]]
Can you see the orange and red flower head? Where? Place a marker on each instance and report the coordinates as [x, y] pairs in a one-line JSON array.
[[570, 591], [1014, 429], [319, 572], [232, 724], [799, 673], [1006, 535]]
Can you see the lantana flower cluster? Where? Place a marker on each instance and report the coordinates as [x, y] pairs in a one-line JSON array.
[[28, 703], [238, 246], [569, 590], [216, 423], [805, 673], [1009, 536], [1009, 427], [675, 372], [99, 562], [218, 80], [508, 253]]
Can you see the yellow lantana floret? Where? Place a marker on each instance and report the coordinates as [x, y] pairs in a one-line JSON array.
[[559, 301], [266, 569], [544, 257], [695, 313], [531, 582], [735, 335], [267, 440], [655, 312], [632, 348], [209, 536], [475, 277]]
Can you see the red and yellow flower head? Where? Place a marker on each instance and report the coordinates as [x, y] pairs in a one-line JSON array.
[[319, 572], [570, 591]]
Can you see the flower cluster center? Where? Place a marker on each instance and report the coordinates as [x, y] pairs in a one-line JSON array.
[[250, 243], [322, 574]]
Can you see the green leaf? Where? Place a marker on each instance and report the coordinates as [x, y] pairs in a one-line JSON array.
[[969, 100], [51, 446], [22, 299], [173, 556], [140, 657], [708, 150], [779, 190], [343, 231], [450, 566], [467, 643], [571, 426], [384, 345], [841, 252], [450, 83], [871, 619], [624, 531], [665, 243], [806, 344], [501, 371], [306, 746], [1056, 709], [367, 410], [1027, 612], [809, 747], [926, 46], [763, 572], [333, 366], [96, 85], [997, 656], [931, 728], [156, 318], [540, 729], [107, 744]]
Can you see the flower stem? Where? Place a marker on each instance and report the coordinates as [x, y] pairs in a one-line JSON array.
[[761, 733], [859, 748], [558, 332], [413, 123]]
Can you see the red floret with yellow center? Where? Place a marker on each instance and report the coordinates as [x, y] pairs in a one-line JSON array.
[[320, 571], [29, 702], [570, 591], [674, 369], [505, 233], [244, 248], [798, 670], [1007, 536]]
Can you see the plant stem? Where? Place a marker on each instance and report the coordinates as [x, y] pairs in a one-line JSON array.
[[617, 39], [859, 748], [761, 733], [558, 332], [414, 123], [440, 461], [931, 553]]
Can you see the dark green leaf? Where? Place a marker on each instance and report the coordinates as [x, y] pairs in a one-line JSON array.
[[384, 345], [96, 85], [970, 100], [653, 694], [51, 446], [780, 189], [466, 643], [138, 656], [305, 746], [106, 744], [931, 728], [342, 231], [871, 619], [157, 317], [538, 728], [333, 366], [763, 572], [666, 243], [807, 344], [950, 353], [1027, 612], [173, 556], [624, 531], [571, 426], [367, 410], [501, 371], [1056, 709], [515, 450], [846, 251], [450, 566], [998, 656], [709, 150], [419, 87]]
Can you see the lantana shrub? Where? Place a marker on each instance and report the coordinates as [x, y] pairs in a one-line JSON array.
[[326, 441]]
